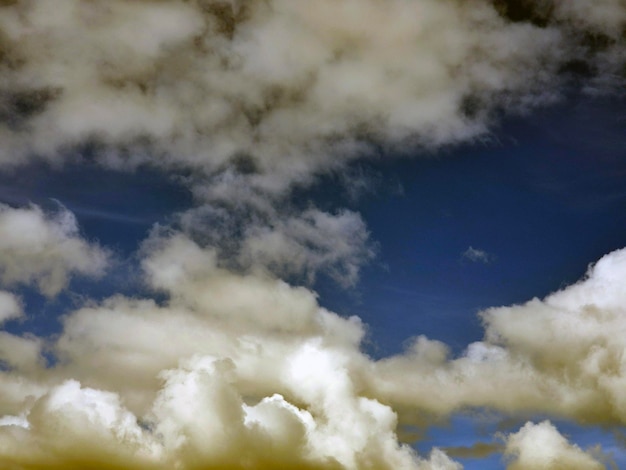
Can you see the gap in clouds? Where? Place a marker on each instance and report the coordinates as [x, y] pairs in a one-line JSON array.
[[490, 195], [543, 239], [116, 207], [416, 279]]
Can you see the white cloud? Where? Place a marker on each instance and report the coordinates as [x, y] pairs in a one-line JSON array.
[[562, 356], [10, 307], [541, 447], [45, 250]]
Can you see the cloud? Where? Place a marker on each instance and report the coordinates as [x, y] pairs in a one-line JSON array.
[[477, 255], [10, 307], [560, 356], [290, 88], [298, 245], [247, 363], [541, 447], [314, 241], [229, 366], [232, 371], [45, 250]]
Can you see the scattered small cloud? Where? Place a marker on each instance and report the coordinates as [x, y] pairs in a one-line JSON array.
[[476, 255]]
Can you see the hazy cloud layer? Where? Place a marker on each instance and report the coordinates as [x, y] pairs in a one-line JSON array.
[[287, 242], [314, 241]]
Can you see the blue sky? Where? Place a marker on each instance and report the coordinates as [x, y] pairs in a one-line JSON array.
[[357, 235]]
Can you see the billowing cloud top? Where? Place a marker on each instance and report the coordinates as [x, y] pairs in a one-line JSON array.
[[228, 365]]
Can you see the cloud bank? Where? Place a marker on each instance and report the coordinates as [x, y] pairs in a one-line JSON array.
[[280, 90], [245, 371]]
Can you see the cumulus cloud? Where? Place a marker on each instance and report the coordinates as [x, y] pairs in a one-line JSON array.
[[202, 382], [259, 370], [562, 356], [542, 447], [208, 391], [45, 250], [10, 307]]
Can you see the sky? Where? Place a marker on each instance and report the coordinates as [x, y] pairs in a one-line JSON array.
[[341, 234]]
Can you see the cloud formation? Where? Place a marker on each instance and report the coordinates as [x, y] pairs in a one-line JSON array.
[[202, 382], [561, 356], [10, 307], [279, 90], [228, 365], [256, 368], [542, 447], [45, 250]]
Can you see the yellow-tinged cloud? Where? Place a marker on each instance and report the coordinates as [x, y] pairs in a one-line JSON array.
[[199, 382], [541, 447], [44, 250], [280, 89], [563, 355]]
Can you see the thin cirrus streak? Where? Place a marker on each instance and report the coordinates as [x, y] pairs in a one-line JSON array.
[[230, 366]]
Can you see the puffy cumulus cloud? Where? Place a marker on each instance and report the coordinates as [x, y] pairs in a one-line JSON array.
[[542, 447], [71, 427], [10, 307], [44, 250], [190, 385], [209, 311], [286, 86], [199, 420], [576, 335], [241, 370], [190, 275], [563, 355]]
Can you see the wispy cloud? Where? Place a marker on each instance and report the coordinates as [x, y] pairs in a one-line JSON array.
[[477, 255]]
